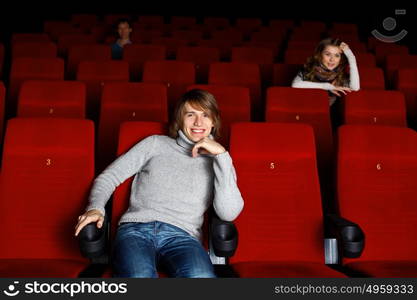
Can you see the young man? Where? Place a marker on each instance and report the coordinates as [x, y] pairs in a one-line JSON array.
[[124, 29], [177, 177]]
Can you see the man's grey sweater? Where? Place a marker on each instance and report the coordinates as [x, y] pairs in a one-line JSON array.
[[170, 185]]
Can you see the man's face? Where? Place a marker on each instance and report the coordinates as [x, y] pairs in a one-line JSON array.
[[124, 30], [197, 124]]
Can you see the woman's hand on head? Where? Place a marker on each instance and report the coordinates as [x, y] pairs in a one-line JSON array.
[[88, 217], [343, 46], [207, 146], [340, 89]]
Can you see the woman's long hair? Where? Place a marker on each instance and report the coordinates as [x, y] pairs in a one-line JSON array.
[[199, 99], [342, 77]]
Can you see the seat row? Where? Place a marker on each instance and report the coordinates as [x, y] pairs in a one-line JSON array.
[[127, 101], [96, 73], [48, 168]]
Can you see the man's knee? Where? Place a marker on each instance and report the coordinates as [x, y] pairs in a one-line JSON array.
[[199, 272], [144, 273]]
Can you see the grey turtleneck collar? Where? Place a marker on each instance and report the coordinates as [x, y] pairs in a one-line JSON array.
[[184, 141]]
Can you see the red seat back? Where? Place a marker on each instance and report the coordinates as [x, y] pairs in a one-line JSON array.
[[376, 176], [79, 53], [52, 98], [127, 101], [277, 177], [47, 172], [167, 72], [240, 74], [375, 107]]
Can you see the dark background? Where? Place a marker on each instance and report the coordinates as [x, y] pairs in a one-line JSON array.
[[19, 16]]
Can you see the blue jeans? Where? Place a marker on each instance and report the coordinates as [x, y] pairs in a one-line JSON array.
[[140, 248]]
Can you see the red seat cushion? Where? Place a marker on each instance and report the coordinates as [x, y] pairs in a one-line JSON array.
[[385, 269], [284, 269], [62, 268]]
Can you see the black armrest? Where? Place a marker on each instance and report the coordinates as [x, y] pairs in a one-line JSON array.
[[93, 240], [350, 237], [224, 237]]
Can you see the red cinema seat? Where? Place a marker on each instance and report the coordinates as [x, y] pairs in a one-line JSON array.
[[264, 57], [382, 50], [137, 54], [274, 38], [34, 49], [345, 27], [202, 57], [309, 106], [284, 74], [176, 75], [375, 107], [100, 31], [347, 37], [231, 34], [79, 53], [52, 98], [273, 46], [366, 60], [407, 83], [297, 56], [66, 41], [25, 68], [281, 23], [248, 25], [394, 62], [268, 34], [112, 19], [95, 74], [171, 44], [85, 21], [145, 36], [377, 171], [313, 25], [303, 46], [224, 46], [150, 20], [165, 29], [217, 23], [224, 40], [267, 38], [127, 101], [371, 78], [358, 47], [191, 36], [30, 38], [281, 226], [240, 74], [47, 172], [55, 29], [306, 34], [234, 105], [180, 22]]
